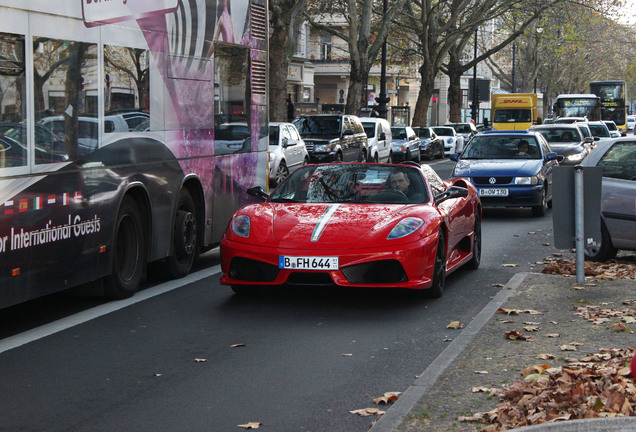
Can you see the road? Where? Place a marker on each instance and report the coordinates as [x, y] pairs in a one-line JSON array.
[[198, 358]]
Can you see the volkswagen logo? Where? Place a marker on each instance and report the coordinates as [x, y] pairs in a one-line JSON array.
[[492, 180]]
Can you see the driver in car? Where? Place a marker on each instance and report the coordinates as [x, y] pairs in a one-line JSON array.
[[398, 180]]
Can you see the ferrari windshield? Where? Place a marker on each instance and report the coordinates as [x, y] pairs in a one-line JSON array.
[[353, 183], [502, 147]]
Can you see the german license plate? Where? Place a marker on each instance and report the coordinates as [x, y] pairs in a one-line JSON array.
[[494, 192], [307, 262]]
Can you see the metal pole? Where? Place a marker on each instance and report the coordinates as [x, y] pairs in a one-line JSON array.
[[514, 48], [579, 224], [382, 100], [475, 111]]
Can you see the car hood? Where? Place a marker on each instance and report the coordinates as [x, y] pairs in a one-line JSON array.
[[504, 167], [333, 226], [566, 148], [319, 138]]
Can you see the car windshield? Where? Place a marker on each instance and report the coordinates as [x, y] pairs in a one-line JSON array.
[[462, 128], [512, 116], [424, 133], [353, 183], [560, 135], [319, 125], [273, 135], [369, 129], [398, 133], [444, 131], [599, 130], [502, 147]]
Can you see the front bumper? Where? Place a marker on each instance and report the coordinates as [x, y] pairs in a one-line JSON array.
[[407, 266]]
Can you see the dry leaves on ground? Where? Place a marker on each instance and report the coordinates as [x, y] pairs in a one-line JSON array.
[[618, 268], [598, 385]]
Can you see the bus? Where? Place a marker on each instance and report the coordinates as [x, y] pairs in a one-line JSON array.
[[577, 105], [613, 96], [129, 134]]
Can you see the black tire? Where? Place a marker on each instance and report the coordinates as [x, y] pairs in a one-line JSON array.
[[363, 157], [128, 252], [281, 173], [539, 210], [439, 271], [306, 161], [474, 262], [418, 159], [185, 241], [338, 157], [605, 251], [390, 158]]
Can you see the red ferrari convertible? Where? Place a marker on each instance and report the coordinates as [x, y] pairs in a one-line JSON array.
[[355, 225]]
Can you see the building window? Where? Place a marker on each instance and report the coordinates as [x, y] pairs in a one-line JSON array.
[[325, 47]]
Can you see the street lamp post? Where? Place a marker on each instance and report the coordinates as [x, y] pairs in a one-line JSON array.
[[475, 106], [382, 100]]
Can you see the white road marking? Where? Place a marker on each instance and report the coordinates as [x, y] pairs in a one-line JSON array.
[[101, 310]]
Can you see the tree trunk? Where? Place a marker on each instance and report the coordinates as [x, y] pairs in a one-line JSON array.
[[455, 90], [278, 67], [424, 96]]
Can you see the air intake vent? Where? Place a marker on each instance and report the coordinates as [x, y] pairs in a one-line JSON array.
[[258, 21], [258, 77]]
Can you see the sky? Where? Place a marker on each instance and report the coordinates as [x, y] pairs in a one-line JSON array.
[[628, 12]]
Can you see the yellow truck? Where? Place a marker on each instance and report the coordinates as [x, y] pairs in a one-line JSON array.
[[515, 111]]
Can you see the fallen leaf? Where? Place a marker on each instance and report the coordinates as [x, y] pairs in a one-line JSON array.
[[388, 397], [509, 311], [516, 334], [238, 345], [157, 375], [347, 355], [531, 328], [482, 372], [553, 335], [546, 356], [568, 347], [510, 265], [498, 285], [364, 412], [619, 327], [455, 325], [199, 360], [251, 425]]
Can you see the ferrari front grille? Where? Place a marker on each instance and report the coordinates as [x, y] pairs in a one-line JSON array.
[[376, 272], [251, 270]]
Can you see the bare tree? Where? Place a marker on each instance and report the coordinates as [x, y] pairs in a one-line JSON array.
[[282, 44]]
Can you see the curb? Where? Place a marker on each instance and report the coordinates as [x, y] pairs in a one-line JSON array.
[[394, 415], [616, 424]]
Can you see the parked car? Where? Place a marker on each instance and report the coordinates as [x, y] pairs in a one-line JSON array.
[[400, 242], [453, 142], [333, 137], [566, 140], [585, 129], [505, 173], [431, 145], [466, 130], [631, 123], [406, 144], [599, 130], [617, 157], [379, 139], [287, 151], [613, 129], [15, 154]]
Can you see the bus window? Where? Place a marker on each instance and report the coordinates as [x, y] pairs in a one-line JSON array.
[[126, 88], [65, 88], [232, 134], [13, 148]]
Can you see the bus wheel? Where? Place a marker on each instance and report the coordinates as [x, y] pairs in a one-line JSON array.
[[128, 252], [184, 237]]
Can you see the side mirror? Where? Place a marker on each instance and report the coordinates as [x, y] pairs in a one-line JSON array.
[[348, 132], [454, 157], [451, 192], [588, 140], [258, 192]]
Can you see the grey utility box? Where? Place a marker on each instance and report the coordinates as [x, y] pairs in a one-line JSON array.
[[563, 206]]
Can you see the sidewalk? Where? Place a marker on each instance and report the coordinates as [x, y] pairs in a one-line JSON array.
[[563, 324]]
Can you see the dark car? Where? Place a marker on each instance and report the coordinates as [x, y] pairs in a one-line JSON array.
[[431, 145], [617, 157], [566, 140], [406, 144], [509, 169], [45, 139], [333, 137]]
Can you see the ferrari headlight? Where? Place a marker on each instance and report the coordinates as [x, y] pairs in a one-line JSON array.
[[405, 227], [526, 180], [241, 226]]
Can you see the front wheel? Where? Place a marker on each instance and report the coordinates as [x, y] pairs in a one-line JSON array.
[[476, 259], [281, 173], [539, 210], [439, 271], [128, 252], [185, 245]]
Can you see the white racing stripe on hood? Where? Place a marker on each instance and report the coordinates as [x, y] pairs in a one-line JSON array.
[[324, 220]]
